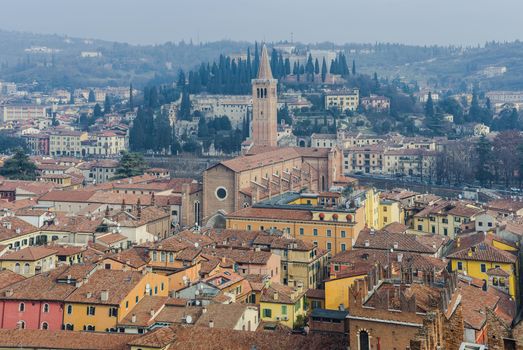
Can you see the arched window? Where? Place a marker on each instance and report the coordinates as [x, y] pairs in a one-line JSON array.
[[171, 257], [46, 307], [45, 325], [21, 307], [364, 340], [69, 327], [26, 268], [21, 324], [17, 267]]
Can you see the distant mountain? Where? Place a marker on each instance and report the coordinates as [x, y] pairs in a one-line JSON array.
[[56, 61]]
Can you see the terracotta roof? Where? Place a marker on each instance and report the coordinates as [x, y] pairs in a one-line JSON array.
[[118, 283], [200, 338], [244, 163], [497, 271], [44, 286], [111, 238], [315, 293], [223, 315], [479, 247], [135, 257], [241, 256], [11, 227], [8, 277], [285, 294], [28, 254], [63, 340], [142, 311], [506, 205], [475, 301], [380, 239], [395, 227], [68, 223], [177, 314], [67, 196], [272, 214]]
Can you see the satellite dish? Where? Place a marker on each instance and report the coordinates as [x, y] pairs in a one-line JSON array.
[[197, 303], [197, 292], [188, 319], [184, 278]]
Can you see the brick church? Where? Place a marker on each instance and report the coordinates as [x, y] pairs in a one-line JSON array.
[[266, 170]]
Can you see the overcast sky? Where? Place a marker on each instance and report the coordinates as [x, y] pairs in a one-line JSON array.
[[157, 21]]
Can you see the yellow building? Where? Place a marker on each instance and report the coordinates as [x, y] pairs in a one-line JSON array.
[[108, 296], [347, 100], [337, 287], [445, 218], [66, 143], [488, 258], [372, 200], [389, 212], [283, 304], [332, 230], [29, 261]]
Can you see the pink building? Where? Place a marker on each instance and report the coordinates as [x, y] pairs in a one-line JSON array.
[[38, 302]]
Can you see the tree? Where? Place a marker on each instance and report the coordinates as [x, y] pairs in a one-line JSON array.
[[353, 67], [429, 107], [107, 105], [71, 98], [484, 161], [316, 67], [92, 97], [283, 114], [323, 70], [505, 155], [19, 167], [185, 106], [97, 111], [131, 164], [181, 79], [131, 104], [162, 133]]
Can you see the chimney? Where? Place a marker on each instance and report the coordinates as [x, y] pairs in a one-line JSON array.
[[204, 310], [400, 257], [104, 295], [153, 199], [138, 209], [123, 205], [107, 211], [89, 295], [211, 324], [458, 242], [275, 295], [133, 318], [151, 312], [9, 293]]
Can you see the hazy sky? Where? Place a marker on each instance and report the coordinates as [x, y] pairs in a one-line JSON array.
[[157, 21]]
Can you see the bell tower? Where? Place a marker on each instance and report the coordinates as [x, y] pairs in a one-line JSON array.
[[264, 104]]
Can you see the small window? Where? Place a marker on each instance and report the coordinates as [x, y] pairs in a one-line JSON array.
[[22, 324], [91, 310], [329, 233], [46, 308], [329, 246], [21, 307], [343, 234], [69, 309], [45, 325], [267, 313], [483, 268], [460, 265], [343, 247], [315, 232], [301, 231]]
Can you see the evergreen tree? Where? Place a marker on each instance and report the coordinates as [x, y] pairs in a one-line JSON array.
[[153, 100], [107, 105], [181, 79], [19, 167], [185, 106], [203, 130], [162, 133], [71, 98], [316, 67], [353, 67], [91, 98], [137, 132], [256, 60], [309, 68], [131, 105], [274, 62], [97, 111], [287, 66], [429, 107], [131, 164], [323, 70]]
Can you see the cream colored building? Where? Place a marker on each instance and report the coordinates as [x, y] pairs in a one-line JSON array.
[[347, 100], [10, 113], [66, 143], [105, 144]]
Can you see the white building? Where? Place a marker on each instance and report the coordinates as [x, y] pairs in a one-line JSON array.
[[10, 113]]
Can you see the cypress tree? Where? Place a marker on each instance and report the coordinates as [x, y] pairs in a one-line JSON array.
[[323, 70], [353, 67]]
